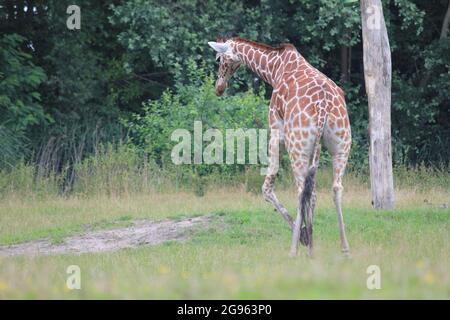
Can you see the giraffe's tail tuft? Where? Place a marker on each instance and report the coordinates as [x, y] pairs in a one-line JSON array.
[[305, 203], [306, 210]]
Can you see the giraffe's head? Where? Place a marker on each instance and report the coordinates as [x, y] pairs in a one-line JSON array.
[[229, 62]]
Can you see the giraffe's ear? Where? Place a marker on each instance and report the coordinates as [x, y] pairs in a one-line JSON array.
[[220, 47]]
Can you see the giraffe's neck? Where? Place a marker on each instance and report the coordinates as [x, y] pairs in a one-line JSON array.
[[267, 63]]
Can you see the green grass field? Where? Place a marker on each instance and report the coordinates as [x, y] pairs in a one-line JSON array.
[[242, 253]]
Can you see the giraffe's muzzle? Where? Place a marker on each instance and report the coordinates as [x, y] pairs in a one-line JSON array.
[[221, 85]]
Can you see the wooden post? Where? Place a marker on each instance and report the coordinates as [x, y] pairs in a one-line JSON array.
[[377, 75]]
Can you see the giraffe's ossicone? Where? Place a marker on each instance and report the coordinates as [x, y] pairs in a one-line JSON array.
[[305, 107]]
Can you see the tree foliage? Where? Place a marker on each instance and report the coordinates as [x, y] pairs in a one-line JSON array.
[[128, 53]]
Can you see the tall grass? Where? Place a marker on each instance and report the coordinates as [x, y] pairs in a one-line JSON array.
[[122, 170], [112, 171], [422, 177], [24, 181]]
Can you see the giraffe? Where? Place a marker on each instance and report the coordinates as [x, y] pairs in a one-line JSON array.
[[305, 106]]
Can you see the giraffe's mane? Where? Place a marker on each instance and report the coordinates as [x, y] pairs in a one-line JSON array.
[[262, 45]]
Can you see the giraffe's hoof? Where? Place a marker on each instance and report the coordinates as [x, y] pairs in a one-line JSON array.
[[346, 253], [293, 254]]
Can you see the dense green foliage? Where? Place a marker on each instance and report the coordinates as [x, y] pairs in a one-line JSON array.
[[195, 101], [19, 98], [140, 69]]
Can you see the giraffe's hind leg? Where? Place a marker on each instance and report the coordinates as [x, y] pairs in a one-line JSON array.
[[339, 163], [269, 182], [299, 167]]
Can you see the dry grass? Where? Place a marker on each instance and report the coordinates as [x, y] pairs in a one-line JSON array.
[[25, 219], [243, 254]]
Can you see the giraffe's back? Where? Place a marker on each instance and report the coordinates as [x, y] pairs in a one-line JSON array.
[[309, 98]]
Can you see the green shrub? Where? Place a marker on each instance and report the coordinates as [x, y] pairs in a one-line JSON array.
[[152, 130], [253, 180]]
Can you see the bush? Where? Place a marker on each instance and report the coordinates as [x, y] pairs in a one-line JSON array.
[[152, 130]]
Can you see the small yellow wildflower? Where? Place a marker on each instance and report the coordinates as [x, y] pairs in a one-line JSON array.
[[3, 286], [163, 269], [429, 278]]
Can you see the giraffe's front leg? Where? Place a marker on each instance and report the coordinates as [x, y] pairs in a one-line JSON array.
[[269, 181]]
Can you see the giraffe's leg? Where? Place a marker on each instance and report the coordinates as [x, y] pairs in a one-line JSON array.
[[339, 163], [313, 203], [310, 211], [270, 196], [297, 227], [300, 174], [269, 181]]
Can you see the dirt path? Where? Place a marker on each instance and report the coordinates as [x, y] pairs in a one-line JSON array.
[[142, 232]]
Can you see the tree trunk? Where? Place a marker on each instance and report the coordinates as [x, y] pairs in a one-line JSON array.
[[444, 28], [377, 75]]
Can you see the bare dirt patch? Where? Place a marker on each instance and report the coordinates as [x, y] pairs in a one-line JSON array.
[[142, 232]]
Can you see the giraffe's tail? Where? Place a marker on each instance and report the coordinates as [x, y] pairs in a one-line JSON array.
[[305, 206], [305, 200]]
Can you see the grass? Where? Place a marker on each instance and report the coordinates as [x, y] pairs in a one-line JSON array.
[[242, 254]]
